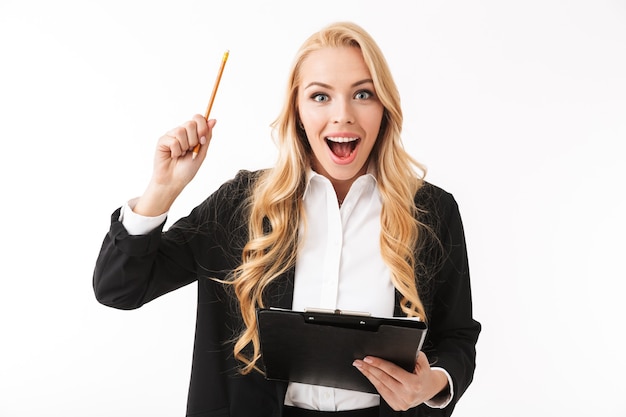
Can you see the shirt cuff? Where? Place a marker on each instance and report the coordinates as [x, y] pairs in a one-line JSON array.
[[444, 398], [136, 224]]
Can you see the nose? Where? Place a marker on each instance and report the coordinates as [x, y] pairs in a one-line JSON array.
[[343, 112]]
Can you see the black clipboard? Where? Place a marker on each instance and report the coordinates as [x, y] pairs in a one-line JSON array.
[[318, 347]]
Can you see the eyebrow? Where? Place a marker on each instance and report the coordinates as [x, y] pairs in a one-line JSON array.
[[328, 86]]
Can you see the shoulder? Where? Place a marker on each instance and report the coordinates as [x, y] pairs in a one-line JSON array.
[[433, 199], [437, 209], [225, 204], [242, 182], [234, 191]]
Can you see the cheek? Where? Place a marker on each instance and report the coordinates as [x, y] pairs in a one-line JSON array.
[[376, 122], [303, 105], [314, 117], [312, 120]]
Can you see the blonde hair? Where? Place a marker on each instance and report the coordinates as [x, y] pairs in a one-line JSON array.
[[275, 210]]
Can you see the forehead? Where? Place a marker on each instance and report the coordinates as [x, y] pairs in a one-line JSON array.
[[334, 65]]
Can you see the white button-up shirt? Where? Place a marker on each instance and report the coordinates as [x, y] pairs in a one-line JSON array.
[[339, 266]]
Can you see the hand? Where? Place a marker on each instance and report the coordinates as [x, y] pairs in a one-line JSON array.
[[174, 165], [401, 389]]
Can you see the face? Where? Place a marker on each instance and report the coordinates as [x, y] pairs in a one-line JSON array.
[[340, 112]]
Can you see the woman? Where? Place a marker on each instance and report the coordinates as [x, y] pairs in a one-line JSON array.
[[344, 220]]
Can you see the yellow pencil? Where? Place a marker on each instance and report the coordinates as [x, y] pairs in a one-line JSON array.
[[196, 149]]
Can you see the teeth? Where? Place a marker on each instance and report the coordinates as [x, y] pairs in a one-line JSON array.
[[341, 140]]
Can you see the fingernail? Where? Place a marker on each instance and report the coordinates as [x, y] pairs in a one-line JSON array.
[[367, 360], [203, 140], [356, 364]]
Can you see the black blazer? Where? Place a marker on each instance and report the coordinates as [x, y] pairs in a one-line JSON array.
[[133, 270]]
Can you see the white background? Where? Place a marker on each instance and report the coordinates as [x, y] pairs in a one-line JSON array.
[[517, 108]]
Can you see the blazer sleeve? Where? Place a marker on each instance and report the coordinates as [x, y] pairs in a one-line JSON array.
[[132, 270], [453, 332]]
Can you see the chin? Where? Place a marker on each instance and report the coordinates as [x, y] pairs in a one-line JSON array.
[[340, 173]]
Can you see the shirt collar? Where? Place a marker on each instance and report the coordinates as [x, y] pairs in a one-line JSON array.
[[311, 175]]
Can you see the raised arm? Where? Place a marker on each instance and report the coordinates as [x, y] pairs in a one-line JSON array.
[[134, 269]]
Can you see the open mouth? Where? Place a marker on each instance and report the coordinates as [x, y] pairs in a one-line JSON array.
[[342, 147]]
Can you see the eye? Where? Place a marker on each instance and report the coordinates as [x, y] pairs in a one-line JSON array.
[[363, 95], [319, 97]]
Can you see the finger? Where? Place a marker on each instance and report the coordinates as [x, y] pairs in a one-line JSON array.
[[197, 130], [386, 367], [180, 134], [374, 370], [211, 124], [205, 139], [377, 378], [169, 146], [421, 362], [202, 125]]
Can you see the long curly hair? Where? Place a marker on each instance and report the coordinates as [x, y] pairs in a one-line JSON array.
[[276, 210]]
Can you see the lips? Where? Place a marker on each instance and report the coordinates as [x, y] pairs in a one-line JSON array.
[[342, 146]]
